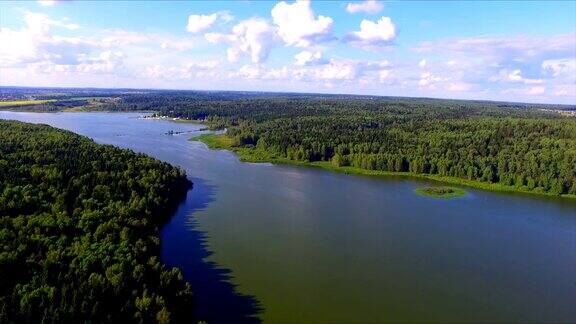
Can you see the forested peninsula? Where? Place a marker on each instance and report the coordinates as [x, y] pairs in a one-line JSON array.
[[475, 144], [503, 146], [79, 231]]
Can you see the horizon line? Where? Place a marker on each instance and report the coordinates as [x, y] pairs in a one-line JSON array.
[[572, 105]]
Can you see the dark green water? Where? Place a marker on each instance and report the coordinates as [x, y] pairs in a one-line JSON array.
[[313, 246]]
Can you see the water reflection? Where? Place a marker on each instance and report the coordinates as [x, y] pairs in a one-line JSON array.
[[185, 247]]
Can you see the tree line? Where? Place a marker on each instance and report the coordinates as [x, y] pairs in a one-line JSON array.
[[518, 146]]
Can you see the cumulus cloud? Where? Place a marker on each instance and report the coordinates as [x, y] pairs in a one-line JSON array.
[[308, 58], [248, 72], [119, 37], [200, 23], [336, 70], [125, 38], [530, 91], [182, 72], [253, 37], [514, 76], [35, 42], [517, 66], [41, 23], [373, 35], [564, 90], [520, 48], [333, 72], [459, 87], [560, 67], [47, 3], [298, 26], [422, 63], [429, 80], [384, 75], [277, 74], [106, 62], [346, 70], [369, 7], [257, 71], [178, 45]]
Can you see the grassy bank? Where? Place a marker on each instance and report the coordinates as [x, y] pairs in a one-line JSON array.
[[251, 154]]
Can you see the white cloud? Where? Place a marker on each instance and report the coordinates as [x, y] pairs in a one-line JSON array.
[[369, 7], [514, 76], [178, 45], [373, 35], [119, 37], [47, 3], [106, 62], [560, 67], [277, 74], [308, 58], [336, 70], [339, 71], [253, 37], [531, 91], [422, 63], [41, 23], [35, 42], [163, 72], [508, 49], [125, 38], [429, 80], [182, 72], [248, 72], [200, 23], [298, 26], [564, 90], [259, 72], [459, 86], [536, 91], [384, 75], [495, 63]]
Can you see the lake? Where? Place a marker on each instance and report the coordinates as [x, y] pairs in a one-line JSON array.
[[294, 244]]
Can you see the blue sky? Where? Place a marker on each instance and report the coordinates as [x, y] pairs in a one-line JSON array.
[[497, 50]]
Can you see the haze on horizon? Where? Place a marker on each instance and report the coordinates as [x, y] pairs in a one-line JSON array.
[[506, 51]]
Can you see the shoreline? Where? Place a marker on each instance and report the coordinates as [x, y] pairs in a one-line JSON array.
[[222, 142]]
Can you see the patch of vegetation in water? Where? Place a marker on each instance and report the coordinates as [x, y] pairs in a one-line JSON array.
[[441, 192]]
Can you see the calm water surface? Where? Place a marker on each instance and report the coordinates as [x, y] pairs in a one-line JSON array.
[[306, 245]]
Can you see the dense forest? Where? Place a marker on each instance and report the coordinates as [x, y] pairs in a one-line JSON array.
[[79, 231], [513, 146], [530, 147]]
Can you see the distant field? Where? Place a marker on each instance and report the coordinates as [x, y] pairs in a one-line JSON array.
[[24, 102]]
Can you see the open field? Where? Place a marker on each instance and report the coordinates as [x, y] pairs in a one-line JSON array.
[[17, 103]]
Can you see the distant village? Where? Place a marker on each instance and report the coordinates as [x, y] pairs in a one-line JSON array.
[[569, 113]]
